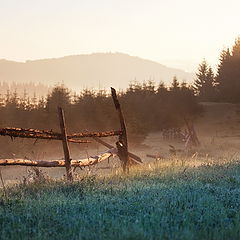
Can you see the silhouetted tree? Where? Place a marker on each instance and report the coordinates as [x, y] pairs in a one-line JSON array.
[[60, 96], [175, 86], [228, 74], [204, 85]]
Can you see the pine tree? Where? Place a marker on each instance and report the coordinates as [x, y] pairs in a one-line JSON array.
[[59, 97], [228, 75], [204, 84], [162, 89], [175, 86], [236, 48]]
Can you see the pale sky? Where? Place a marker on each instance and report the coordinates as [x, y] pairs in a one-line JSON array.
[[178, 33]]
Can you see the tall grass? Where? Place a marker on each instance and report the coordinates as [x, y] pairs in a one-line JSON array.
[[160, 201]]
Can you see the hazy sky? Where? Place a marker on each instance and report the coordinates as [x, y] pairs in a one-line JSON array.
[[175, 32]]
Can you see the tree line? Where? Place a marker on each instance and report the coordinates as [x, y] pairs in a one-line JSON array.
[[147, 107], [224, 85], [33, 89]]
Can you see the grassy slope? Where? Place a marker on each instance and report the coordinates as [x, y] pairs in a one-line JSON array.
[[169, 201]]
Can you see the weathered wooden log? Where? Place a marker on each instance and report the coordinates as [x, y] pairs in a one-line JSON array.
[[26, 130], [65, 144], [78, 141], [49, 135], [29, 133], [122, 144], [36, 134], [92, 160], [131, 155], [95, 134]]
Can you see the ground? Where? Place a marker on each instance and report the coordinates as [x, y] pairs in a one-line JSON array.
[[188, 196], [161, 201]]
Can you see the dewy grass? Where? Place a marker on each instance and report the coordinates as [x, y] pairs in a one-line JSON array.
[[156, 202]]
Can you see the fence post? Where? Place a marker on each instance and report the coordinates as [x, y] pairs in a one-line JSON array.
[[122, 144], [65, 144], [192, 133]]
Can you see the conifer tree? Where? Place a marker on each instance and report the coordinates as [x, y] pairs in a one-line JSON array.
[[228, 75], [175, 84], [59, 97], [204, 84]]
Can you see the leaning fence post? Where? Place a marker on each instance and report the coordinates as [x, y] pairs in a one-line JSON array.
[[192, 133], [122, 144], [65, 144]]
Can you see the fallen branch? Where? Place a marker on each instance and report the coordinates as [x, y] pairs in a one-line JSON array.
[[132, 156], [92, 160]]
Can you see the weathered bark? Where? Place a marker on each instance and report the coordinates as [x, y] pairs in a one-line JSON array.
[[29, 133], [36, 134], [78, 141], [122, 144], [95, 134], [65, 144], [49, 135], [92, 160]]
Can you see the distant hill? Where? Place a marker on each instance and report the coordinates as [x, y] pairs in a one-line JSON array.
[[95, 70]]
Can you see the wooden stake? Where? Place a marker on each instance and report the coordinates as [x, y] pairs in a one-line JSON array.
[[65, 144], [192, 134], [122, 144]]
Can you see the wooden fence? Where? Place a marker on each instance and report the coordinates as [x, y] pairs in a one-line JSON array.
[[121, 149]]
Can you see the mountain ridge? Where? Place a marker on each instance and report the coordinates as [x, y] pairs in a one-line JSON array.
[[90, 71]]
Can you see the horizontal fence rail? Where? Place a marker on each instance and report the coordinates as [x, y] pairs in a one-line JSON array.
[[95, 134], [50, 135], [92, 160]]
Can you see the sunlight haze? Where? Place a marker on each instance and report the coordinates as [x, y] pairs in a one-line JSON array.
[[175, 33]]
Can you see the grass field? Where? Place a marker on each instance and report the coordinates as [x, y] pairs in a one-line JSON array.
[[190, 196], [168, 200]]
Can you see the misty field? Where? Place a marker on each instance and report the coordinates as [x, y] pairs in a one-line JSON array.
[[168, 200], [188, 196]]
